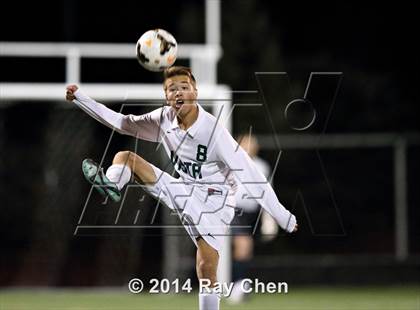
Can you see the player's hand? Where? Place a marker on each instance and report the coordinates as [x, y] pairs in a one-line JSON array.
[[296, 228], [70, 90]]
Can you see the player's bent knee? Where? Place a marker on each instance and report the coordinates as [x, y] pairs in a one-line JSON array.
[[127, 158], [143, 171], [121, 157]]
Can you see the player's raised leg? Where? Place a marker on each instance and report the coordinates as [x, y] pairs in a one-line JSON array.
[[95, 175], [206, 266], [127, 160], [118, 174]]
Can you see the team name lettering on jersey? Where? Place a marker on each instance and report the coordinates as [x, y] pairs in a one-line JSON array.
[[192, 169]]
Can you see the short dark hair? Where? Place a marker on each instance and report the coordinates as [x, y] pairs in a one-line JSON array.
[[177, 70]]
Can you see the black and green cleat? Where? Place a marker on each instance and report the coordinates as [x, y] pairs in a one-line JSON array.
[[97, 177]]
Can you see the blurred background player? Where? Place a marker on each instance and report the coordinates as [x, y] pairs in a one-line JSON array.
[[243, 224]]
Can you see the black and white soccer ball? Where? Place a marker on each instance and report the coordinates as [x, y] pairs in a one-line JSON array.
[[156, 50]]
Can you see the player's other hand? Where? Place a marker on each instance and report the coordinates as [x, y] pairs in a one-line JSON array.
[[70, 90]]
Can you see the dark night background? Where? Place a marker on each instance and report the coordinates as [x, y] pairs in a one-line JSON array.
[[374, 45]]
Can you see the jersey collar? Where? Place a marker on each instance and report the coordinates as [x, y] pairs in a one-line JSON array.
[[192, 131]]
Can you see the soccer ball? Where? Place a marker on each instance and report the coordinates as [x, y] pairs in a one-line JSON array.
[[156, 50]]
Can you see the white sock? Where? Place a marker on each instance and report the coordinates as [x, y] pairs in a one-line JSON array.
[[119, 174], [208, 301]]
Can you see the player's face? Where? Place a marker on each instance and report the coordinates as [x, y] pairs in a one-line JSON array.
[[181, 94]]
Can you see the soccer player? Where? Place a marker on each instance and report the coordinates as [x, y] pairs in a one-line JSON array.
[[242, 226], [203, 153]]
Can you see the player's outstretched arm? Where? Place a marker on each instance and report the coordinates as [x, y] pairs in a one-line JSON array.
[[253, 180], [144, 126]]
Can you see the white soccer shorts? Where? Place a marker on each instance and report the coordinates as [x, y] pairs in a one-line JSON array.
[[205, 210]]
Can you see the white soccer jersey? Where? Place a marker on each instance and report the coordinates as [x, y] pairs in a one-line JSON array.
[[205, 154], [243, 201]]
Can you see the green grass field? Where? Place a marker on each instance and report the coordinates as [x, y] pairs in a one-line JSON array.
[[299, 298]]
